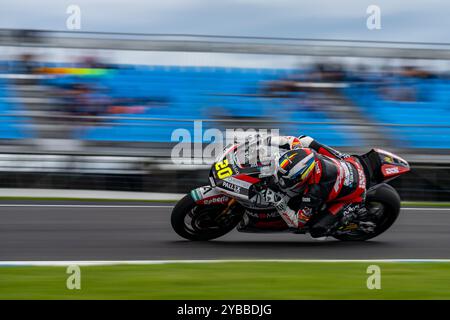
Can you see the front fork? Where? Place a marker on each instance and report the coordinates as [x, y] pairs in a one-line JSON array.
[[208, 195], [228, 209]]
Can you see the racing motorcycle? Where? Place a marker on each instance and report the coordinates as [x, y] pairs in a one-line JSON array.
[[234, 198]]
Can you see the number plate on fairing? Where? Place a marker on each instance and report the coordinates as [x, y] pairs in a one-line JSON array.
[[231, 178], [222, 169]]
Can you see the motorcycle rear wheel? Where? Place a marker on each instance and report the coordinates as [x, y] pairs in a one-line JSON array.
[[203, 222], [385, 198]]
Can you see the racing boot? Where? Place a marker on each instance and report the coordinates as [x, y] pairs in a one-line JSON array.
[[324, 225]]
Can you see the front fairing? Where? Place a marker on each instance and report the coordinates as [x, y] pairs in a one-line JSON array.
[[241, 170]]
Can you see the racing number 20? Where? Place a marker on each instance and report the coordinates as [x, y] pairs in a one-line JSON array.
[[223, 170]]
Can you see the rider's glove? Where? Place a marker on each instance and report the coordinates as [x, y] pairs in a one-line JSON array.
[[288, 215], [293, 218]]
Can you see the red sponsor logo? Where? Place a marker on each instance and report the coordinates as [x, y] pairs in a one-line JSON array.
[[393, 170], [215, 200]]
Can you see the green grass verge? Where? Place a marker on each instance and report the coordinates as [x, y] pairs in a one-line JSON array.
[[231, 280]]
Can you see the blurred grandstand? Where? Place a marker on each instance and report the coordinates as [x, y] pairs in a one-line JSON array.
[[89, 124]]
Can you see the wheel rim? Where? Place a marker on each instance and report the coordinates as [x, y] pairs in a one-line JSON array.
[[204, 220], [377, 212]]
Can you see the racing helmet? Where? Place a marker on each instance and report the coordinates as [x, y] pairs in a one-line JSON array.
[[295, 168]]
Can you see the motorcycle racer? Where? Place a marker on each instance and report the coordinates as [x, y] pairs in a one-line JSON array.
[[278, 184], [312, 176]]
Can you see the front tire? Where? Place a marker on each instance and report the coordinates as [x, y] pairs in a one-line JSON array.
[[203, 222], [383, 197]]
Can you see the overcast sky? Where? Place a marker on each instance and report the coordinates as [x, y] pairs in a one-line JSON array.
[[413, 20]]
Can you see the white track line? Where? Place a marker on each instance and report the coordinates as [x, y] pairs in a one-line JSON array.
[[153, 206], [426, 208], [155, 262]]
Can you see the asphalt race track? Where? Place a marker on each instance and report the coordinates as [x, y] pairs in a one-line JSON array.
[[142, 231]]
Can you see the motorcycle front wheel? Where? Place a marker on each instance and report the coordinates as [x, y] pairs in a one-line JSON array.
[[204, 222]]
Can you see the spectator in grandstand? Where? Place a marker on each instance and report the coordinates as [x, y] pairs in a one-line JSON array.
[[413, 72], [401, 84], [322, 72], [26, 64]]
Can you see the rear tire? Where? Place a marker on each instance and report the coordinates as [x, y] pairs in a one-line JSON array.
[[388, 197], [187, 209]]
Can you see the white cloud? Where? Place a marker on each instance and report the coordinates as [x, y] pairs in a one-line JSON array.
[[415, 20]]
